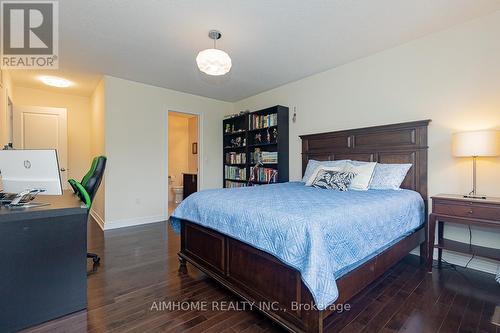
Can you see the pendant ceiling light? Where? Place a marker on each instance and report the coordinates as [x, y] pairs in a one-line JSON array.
[[214, 61]]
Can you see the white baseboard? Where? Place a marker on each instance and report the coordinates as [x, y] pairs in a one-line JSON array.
[[123, 223], [480, 264], [97, 218]]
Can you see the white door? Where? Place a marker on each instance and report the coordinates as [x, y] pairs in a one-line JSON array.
[[36, 127]]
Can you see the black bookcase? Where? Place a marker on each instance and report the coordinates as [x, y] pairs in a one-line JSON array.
[[252, 137]]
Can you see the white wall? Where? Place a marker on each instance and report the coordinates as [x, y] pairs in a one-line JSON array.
[[136, 144], [451, 77], [97, 146]]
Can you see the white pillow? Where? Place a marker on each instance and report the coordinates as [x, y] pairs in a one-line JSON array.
[[364, 174], [389, 176], [318, 169], [313, 164]]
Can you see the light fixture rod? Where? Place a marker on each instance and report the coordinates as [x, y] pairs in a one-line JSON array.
[[214, 34]]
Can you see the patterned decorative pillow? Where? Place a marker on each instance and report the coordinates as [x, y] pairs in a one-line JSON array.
[[312, 165], [389, 176], [333, 180], [311, 179]]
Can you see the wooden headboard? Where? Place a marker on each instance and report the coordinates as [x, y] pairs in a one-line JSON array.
[[396, 143]]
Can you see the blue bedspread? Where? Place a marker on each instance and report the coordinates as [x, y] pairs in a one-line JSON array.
[[321, 233]]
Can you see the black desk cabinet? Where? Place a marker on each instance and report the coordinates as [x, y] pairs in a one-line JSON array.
[[43, 262]]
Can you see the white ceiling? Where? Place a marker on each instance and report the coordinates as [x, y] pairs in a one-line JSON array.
[[271, 42], [83, 82]]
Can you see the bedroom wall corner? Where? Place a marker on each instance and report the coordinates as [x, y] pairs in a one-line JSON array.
[[136, 145]]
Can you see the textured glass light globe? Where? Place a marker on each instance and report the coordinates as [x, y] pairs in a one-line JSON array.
[[55, 81], [213, 62]]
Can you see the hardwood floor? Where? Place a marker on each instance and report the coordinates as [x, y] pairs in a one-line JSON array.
[[139, 270]]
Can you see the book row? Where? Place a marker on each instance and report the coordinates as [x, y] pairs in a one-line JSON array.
[[230, 184], [266, 157], [236, 158], [257, 121], [265, 175], [231, 172]]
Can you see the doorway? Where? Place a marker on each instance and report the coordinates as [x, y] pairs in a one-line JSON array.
[[10, 121], [183, 156], [36, 127]]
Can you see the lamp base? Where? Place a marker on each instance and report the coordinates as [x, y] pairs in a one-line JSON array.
[[475, 196]]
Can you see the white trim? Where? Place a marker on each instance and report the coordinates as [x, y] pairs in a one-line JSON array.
[[461, 260], [97, 218], [477, 263], [123, 223]]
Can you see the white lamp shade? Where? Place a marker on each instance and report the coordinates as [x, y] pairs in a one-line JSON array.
[[213, 62], [476, 143]]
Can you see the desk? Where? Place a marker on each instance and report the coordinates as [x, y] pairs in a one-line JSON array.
[[43, 261]]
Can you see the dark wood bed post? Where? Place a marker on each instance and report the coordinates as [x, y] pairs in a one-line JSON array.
[[257, 276], [182, 265]]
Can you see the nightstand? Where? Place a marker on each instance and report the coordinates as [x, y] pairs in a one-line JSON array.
[[448, 208]]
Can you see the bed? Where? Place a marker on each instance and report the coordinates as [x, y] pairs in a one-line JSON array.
[[297, 276]]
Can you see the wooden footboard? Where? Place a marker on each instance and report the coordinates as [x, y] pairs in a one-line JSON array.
[[273, 287]]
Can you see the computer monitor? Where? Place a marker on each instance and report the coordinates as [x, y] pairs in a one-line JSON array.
[[30, 169]]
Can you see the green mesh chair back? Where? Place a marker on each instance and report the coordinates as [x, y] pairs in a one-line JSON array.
[[94, 181], [87, 188], [85, 178]]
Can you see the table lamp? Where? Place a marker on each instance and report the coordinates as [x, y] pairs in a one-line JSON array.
[[476, 144]]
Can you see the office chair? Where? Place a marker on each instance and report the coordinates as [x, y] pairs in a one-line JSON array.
[[85, 178], [87, 191]]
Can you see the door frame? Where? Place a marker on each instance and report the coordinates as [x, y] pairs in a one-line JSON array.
[[18, 137], [10, 118], [201, 152]]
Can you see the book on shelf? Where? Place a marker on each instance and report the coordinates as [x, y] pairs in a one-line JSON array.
[[265, 157], [263, 121], [236, 173], [265, 175], [230, 184], [236, 158]]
